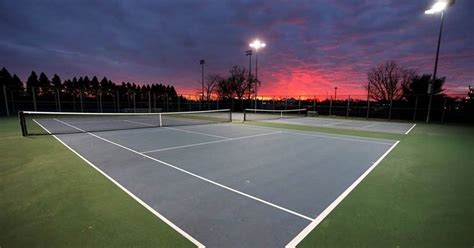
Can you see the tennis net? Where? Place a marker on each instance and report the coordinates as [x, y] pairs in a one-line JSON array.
[[36, 122], [265, 114]]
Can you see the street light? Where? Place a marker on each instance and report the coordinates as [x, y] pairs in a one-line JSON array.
[[202, 62], [256, 44], [438, 7]]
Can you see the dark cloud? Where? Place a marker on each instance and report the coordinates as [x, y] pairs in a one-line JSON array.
[[312, 45]]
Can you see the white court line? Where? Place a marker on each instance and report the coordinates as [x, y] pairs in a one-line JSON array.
[[211, 142], [409, 130], [195, 175], [333, 205], [370, 125], [153, 211], [337, 123], [333, 136], [205, 134]]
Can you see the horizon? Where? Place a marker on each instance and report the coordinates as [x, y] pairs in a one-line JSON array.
[[311, 47]]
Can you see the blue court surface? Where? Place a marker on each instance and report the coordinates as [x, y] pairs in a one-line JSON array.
[[231, 185], [364, 125]]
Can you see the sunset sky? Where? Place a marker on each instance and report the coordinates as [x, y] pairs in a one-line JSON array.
[[312, 46]]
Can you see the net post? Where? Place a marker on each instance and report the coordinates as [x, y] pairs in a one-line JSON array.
[[230, 115], [245, 115], [21, 117], [161, 122]]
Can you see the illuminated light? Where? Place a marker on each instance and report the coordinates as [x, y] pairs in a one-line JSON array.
[[257, 44], [437, 7]]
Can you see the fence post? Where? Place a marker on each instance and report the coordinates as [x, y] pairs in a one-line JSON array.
[[217, 103], [12, 102], [348, 106], [74, 100], [113, 102], [314, 103], [134, 103], [390, 109], [273, 102], [286, 103], [6, 99], [59, 99], [34, 98], [118, 101], [444, 108], [416, 106], [149, 102], [167, 103], [100, 101], [368, 106], [80, 99], [330, 106], [299, 103], [179, 103]]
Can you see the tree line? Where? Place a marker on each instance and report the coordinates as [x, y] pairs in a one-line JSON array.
[[88, 87]]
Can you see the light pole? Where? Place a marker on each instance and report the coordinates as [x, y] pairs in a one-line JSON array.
[[438, 7], [249, 53], [202, 62], [256, 44], [335, 93]]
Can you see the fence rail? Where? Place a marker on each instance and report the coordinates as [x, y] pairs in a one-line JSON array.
[[453, 108]]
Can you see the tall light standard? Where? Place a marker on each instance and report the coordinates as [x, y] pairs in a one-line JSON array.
[[438, 7], [335, 93], [202, 62], [249, 53], [256, 44]]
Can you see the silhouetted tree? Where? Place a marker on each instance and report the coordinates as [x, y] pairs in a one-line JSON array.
[[5, 77], [419, 85], [210, 85], [32, 81], [238, 81], [56, 81], [386, 81], [224, 89]]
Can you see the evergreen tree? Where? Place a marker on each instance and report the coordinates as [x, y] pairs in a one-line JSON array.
[[32, 80], [56, 81], [5, 77]]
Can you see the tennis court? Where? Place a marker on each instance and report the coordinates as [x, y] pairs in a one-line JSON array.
[[222, 184], [299, 117]]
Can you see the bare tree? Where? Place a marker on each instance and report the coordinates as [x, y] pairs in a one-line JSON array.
[[239, 81], [386, 81], [210, 86]]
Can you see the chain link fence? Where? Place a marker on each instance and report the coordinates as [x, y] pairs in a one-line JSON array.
[[445, 108]]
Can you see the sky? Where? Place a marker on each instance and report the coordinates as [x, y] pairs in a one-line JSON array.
[[312, 46]]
